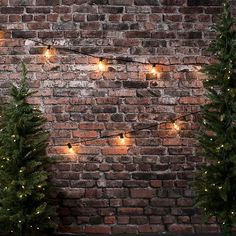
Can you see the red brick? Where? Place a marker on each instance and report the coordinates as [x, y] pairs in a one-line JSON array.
[[151, 229], [110, 220], [142, 193], [97, 230], [177, 228], [114, 151], [129, 211]]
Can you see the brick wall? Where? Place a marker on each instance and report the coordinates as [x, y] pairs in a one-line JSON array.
[[106, 186]]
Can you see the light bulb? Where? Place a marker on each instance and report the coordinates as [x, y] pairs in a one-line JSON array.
[[70, 147], [154, 70], [206, 189], [122, 138], [176, 126], [220, 187], [101, 65], [49, 52]]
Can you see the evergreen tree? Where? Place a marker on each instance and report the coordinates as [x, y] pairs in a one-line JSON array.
[[24, 180], [216, 182]]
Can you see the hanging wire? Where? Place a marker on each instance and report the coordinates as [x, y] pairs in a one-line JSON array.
[[121, 59], [122, 134]]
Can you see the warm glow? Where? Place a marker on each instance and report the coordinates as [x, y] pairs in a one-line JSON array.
[[49, 52], [154, 71], [101, 65], [176, 126], [70, 147], [2, 35], [122, 139]]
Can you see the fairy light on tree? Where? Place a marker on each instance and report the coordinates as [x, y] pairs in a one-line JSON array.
[[21, 198], [219, 122]]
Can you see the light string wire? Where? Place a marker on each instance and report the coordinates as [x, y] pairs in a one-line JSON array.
[[103, 57], [122, 134], [121, 59]]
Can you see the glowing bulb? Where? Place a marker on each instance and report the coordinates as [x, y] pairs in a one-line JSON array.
[[205, 172], [176, 126], [220, 187], [19, 221], [37, 228], [122, 138], [154, 70], [38, 212], [39, 186], [49, 52], [23, 186], [101, 65], [206, 189], [21, 196], [70, 147]]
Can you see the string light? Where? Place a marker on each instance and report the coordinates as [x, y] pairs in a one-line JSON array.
[[49, 52], [176, 126], [122, 138], [69, 145], [206, 189], [121, 135], [121, 59], [220, 187], [101, 64]]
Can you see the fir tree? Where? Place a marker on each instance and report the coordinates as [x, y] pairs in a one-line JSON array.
[[216, 182], [24, 180]]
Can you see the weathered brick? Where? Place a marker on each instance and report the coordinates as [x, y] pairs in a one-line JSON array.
[[142, 193], [105, 186], [97, 230]]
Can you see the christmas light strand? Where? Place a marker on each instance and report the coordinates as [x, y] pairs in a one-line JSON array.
[[122, 134]]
